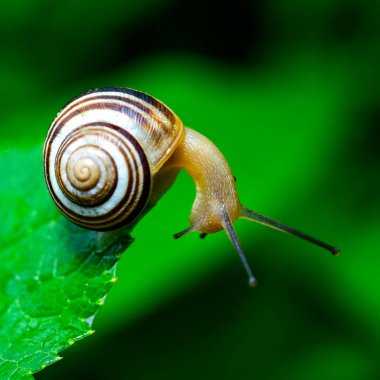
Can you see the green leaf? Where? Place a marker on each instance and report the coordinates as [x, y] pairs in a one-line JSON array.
[[53, 274]]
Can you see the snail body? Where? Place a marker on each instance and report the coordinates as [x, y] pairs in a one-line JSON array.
[[112, 152]]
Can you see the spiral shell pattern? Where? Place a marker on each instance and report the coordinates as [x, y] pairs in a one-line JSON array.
[[101, 153]]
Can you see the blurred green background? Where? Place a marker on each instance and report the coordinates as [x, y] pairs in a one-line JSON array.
[[289, 91]]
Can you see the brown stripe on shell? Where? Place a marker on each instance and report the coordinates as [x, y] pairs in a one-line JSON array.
[[140, 96]]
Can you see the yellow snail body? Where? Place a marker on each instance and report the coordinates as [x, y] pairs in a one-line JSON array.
[[111, 152]]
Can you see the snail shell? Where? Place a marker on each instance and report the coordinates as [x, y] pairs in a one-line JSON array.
[[102, 152]]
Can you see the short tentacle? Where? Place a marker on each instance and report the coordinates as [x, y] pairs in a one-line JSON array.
[[184, 232]]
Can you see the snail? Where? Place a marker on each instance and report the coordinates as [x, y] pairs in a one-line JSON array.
[[112, 153]]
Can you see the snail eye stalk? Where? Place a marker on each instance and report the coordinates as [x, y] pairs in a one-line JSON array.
[[231, 233], [261, 219]]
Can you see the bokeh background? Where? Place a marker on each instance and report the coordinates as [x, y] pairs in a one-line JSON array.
[[289, 91]]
